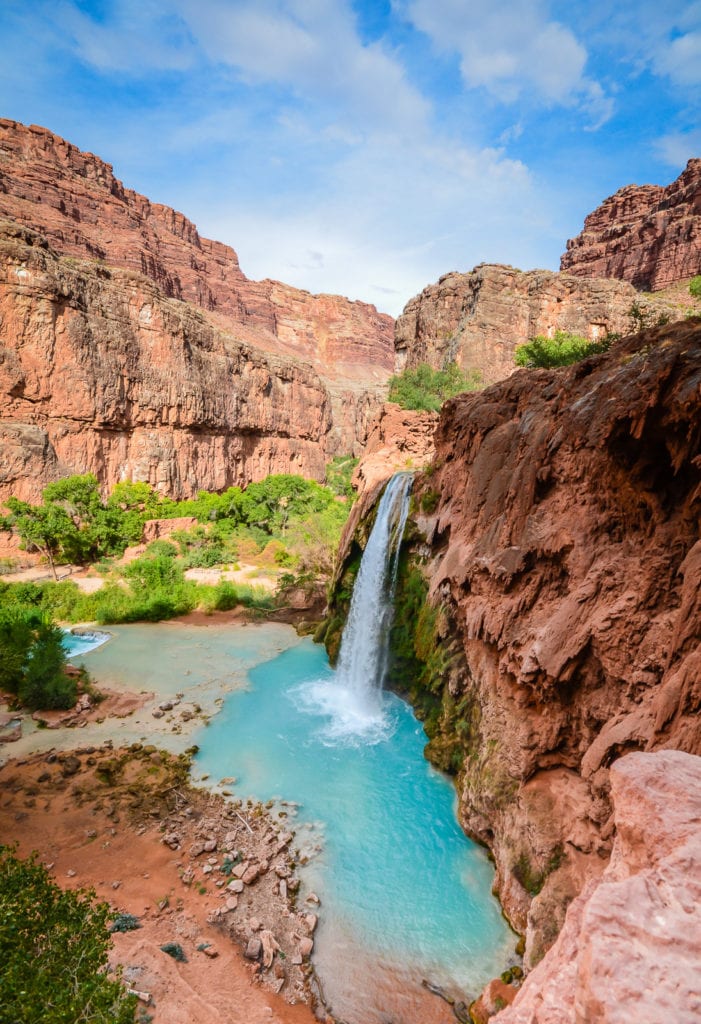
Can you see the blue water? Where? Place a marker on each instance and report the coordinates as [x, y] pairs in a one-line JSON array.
[[405, 895], [78, 644]]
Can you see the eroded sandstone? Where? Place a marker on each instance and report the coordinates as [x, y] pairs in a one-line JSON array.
[[645, 234], [136, 349], [477, 319], [629, 948], [558, 532]]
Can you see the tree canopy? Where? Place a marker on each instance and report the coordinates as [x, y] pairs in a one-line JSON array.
[[560, 350], [54, 946], [425, 390]]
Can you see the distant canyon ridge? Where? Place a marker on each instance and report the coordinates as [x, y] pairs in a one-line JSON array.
[[133, 348]]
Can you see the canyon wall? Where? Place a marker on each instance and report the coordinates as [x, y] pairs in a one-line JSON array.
[[477, 319], [645, 234], [99, 372], [557, 531], [88, 237]]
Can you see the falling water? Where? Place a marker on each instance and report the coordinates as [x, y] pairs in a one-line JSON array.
[[352, 701], [363, 656]]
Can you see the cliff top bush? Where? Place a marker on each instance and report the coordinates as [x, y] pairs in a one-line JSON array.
[[424, 389], [562, 349]]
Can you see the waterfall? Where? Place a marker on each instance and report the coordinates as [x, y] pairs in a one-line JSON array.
[[350, 702], [362, 662]]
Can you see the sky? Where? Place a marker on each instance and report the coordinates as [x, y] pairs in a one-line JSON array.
[[366, 147]]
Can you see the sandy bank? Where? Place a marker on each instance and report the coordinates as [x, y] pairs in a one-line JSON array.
[[128, 825]]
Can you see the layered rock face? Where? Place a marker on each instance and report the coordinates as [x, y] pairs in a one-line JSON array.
[[99, 372], [478, 319], [75, 201], [629, 949], [342, 349], [565, 557], [645, 234]]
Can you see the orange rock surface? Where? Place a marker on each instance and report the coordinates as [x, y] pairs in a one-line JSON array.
[[477, 319], [645, 234], [629, 949], [565, 552], [133, 348]]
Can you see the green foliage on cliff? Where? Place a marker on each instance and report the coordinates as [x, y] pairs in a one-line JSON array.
[[419, 666], [562, 349], [32, 659], [425, 390], [54, 947], [695, 286], [338, 475]]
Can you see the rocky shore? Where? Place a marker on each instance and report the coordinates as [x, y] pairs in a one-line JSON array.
[[201, 873]]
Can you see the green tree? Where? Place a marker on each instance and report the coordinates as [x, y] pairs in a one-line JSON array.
[[33, 659], [424, 389], [54, 948], [695, 286], [48, 529], [560, 350], [338, 475], [16, 639], [45, 684]]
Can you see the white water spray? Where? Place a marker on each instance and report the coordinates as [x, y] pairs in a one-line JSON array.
[[352, 700], [362, 661]]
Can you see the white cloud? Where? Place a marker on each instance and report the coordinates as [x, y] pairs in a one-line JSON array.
[[511, 49], [681, 59], [677, 147], [137, 36]]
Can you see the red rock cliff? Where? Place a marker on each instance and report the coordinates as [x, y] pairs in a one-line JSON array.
[[565, 553], [558, 532], [645, 234], [478, 319], [99, 372], [73, 200]]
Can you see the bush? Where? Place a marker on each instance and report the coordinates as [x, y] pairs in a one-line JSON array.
[[54, 949], [695, 286], [338, 475], [33, 660], [425, 390], [562, 349]]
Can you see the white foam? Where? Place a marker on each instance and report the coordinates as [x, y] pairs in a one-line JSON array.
[[352, 718]]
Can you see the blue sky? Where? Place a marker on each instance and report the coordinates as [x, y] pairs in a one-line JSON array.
[[367, 147]]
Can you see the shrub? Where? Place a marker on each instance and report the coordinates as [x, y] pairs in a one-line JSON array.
[[33, 660], [424, 389], [338, 475], [562, 349], [695, 286], [54, 948]]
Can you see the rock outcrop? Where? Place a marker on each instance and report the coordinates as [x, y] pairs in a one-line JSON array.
[[629, 949], [645, 234], [558, 533], [99, 372], [478, 319], [103, 237], [565, 551]]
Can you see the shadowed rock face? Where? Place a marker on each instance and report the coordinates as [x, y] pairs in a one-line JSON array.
[[164, 408], [478, 319], [645, 234], [565, 547]]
